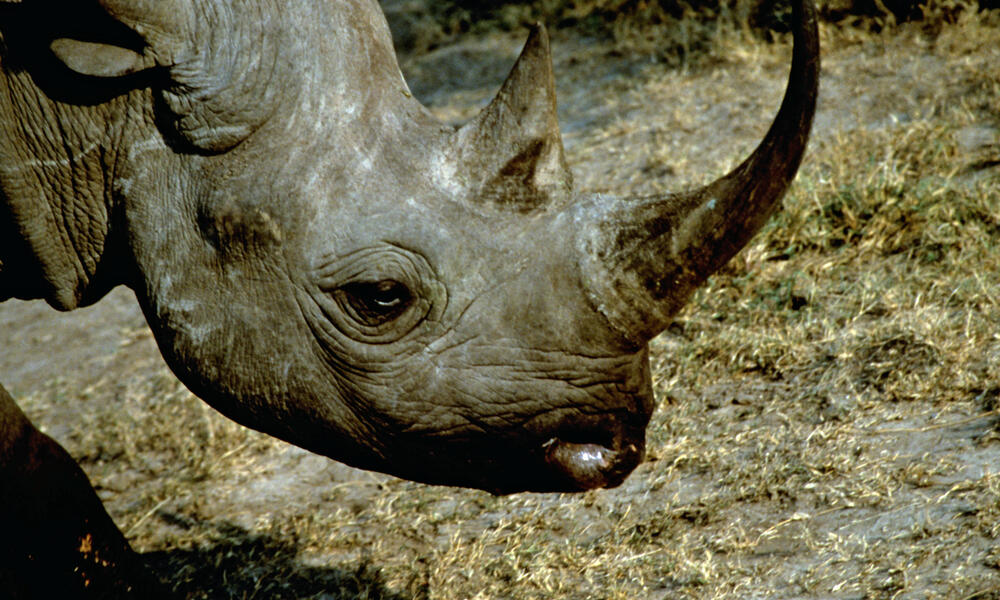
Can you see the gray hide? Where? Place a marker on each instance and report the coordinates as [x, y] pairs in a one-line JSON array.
[[322, 260]]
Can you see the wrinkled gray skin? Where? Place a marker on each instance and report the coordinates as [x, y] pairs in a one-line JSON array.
[[322, 260]]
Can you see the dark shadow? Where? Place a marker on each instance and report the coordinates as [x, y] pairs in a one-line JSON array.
[[243, 565]]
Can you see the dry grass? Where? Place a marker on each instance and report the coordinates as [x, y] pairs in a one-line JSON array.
[[828, 421], [676, 31]]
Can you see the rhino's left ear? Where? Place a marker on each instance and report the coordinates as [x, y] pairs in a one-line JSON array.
[[511, 154], [106, 44], [98, 59], [216, 90]]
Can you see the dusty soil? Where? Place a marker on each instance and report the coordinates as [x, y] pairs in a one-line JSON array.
[[828, 420]]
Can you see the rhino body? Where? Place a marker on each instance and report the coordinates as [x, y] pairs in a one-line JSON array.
[[320, 259]]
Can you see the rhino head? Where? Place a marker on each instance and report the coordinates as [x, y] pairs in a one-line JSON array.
[[322, 260]]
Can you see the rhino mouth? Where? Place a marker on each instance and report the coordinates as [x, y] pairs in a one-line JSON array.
[[598, 453], [589, 466], [586, 459]]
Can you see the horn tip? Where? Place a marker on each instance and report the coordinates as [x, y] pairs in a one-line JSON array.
[[538, 35]]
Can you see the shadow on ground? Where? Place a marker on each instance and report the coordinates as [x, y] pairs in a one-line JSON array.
[[245, 565]]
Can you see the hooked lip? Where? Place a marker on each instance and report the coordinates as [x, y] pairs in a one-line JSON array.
[[567, 462], [558, 451], [579, 452], [573, 458], [588, 465]]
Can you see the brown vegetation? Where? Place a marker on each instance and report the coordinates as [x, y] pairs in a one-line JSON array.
[[673, 29]]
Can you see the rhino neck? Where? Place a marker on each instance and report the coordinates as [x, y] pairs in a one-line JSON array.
[[57, 238]]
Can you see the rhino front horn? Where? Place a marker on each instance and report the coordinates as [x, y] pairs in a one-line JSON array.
[[643, 257]]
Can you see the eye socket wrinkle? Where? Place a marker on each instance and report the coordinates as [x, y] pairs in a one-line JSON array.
[[376, 295]]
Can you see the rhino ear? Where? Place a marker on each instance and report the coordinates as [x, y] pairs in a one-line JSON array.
[[511, 154], [130, 36], [214, 94], [98, 59]]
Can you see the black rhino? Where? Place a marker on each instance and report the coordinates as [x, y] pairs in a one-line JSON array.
[[320, 259]]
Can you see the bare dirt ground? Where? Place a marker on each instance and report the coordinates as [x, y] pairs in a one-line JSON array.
[[829, 405]]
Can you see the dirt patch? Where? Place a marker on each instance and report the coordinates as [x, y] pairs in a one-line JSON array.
[[828, 422]]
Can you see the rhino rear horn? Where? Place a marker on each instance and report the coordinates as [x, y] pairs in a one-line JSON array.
[[511, 154]]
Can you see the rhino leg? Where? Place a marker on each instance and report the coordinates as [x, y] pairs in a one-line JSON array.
[[57, 540]]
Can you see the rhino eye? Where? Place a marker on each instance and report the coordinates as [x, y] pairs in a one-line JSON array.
[[375, 295], [374, 303]]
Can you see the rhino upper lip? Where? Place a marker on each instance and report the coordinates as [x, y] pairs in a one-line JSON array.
[[563, 453], [588, 466], [594, 456]]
